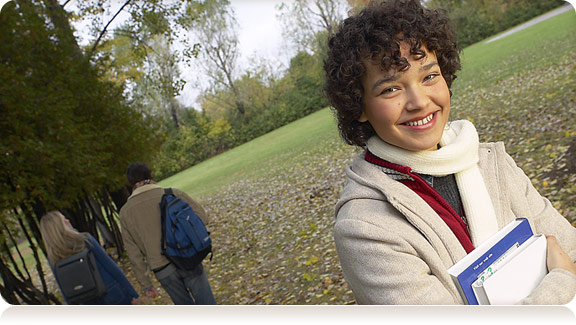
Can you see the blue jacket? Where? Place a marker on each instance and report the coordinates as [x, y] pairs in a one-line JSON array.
[[119, 291]]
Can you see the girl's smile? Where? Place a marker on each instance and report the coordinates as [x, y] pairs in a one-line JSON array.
[[423, 123]]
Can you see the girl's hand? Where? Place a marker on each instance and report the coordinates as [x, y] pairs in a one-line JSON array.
[[556, 257]]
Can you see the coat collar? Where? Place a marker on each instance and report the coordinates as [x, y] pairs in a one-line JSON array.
[[144, 188], [367, 181]]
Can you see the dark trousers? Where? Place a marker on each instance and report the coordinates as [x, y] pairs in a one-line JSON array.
[[186, 287]]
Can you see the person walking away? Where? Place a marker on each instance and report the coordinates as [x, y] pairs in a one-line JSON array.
[[62, 240], [140, 219]]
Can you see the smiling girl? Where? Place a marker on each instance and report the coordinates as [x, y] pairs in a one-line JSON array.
[[424, 192]]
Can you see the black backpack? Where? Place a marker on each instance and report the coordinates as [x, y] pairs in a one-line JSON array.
[[185, 240], [79, 278]]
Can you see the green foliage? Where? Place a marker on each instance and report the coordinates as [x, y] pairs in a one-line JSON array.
[[142, 20], [141, 54], [475, 20], [472, 25], [298, 94], [64, 132], [269, 105], [306, 96], [184, 146]]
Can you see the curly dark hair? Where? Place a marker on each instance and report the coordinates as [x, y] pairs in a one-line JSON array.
[[375, 34]]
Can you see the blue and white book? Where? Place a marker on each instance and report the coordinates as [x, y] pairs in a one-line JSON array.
[[474, 265], [515, 276]]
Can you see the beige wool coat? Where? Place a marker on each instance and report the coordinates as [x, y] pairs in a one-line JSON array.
[[141, 229], [394, 249]]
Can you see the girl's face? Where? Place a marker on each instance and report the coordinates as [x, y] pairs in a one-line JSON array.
[[409, 108]]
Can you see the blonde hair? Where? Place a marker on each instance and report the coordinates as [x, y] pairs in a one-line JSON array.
[[60, 239]]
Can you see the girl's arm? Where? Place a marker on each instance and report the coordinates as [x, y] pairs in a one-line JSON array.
[[389, 263], [110, 266]]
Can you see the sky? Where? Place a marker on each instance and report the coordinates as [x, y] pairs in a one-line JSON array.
[[259, 35], [260, 31]]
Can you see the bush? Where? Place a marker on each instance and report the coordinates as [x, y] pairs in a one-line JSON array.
[[298, 94]]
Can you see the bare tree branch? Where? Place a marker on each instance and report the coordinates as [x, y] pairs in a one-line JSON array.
[[106, 28]]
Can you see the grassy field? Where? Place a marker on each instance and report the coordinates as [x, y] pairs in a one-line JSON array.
[[249, 160], [541, 45], [271, 200]]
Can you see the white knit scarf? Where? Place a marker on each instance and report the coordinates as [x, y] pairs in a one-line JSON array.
[[457, 155]]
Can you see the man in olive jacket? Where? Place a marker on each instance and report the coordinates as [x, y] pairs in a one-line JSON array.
[[141, 232]]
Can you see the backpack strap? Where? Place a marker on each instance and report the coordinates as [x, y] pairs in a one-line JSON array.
[[167, 191]]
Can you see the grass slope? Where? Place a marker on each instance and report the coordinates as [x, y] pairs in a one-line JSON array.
[[539, 45], [251, 159]]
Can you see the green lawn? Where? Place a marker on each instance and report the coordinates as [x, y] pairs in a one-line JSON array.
[[539, 45], [254, 157]]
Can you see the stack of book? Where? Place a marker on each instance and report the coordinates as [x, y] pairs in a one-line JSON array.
[[504, 269]]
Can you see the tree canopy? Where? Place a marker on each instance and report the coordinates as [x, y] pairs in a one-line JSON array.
[[67, 135]]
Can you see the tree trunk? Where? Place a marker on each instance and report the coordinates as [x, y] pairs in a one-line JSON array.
[[34, 249], [173, 108], [58, 17], [17, 251], [16, 290], [111, 212]]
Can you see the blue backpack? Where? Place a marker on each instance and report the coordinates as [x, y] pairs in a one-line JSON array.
[[185, 240]]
